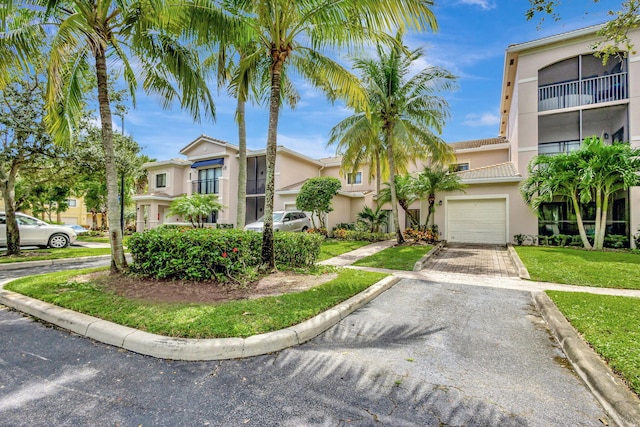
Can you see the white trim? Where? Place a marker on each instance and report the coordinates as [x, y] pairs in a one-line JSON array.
[[589, 31], [633, 59], [472, 181], [523, 150], [635, 138], [504, 197], [489, 147], [528, 80], [172, 162], [149, 197], [209, 156]]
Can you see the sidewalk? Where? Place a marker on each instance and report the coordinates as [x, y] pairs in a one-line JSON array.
[[353, 256]]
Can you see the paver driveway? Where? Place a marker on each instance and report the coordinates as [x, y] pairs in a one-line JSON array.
[[422, 354], [485, 260]]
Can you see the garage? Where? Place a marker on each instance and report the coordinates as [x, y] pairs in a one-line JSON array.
[[478, 220]]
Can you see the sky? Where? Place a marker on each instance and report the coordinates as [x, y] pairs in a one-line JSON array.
[[470, 42]]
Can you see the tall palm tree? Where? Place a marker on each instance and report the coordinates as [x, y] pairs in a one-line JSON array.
[[433, 180], [294, 35], [143, 36], [405, 109]]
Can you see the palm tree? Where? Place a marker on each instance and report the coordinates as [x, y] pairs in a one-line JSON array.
[[433, 180], [90, 35], [405, 193], [405, 109], [374, 219], [293, 36]]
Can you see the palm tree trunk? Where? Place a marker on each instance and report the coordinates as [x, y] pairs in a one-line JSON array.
[[378, 177], [242, 169], [118, 261], [392, 186], [596, 236], [603, 220], [268, 255], [581, 230]]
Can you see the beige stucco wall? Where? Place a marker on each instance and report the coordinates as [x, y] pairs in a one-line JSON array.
[[483, 158]]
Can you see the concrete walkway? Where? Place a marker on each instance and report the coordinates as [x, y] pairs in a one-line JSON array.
[[483, 260], [363, 252]]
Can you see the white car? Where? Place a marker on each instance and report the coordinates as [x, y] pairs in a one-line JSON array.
[[283, 221], [34, 232]]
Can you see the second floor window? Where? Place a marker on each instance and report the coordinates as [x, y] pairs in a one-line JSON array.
[[354, 178], [208, 181], [71, 203], [161, 180], [459, 167]]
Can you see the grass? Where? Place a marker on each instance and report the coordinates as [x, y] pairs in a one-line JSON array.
[[240, 318], [331, 248], [610, 325], [48, 254], [395, 257], [94, 239], [580, 267]]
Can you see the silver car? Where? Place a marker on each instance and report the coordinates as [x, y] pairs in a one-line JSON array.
[[283, 221], [34, 232]]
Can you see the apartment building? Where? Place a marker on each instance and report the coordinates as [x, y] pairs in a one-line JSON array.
[[555, 93]]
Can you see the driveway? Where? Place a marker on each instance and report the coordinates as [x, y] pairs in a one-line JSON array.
[[483, 260], [423, 353]]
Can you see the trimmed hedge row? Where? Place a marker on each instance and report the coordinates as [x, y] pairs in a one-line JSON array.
[[342, 234], [212, 254]]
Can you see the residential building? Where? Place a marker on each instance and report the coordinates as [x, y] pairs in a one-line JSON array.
[[555, 93], [76, 213]]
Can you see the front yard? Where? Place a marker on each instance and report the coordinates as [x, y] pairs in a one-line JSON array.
[[49, 254], [581, 267], [396, 257]]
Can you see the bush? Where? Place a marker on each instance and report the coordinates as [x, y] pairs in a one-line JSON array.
[[321, 231], [211, 254], [223, 226], [344, 226], [421, 236], [636, 239], [362, 235], [616, 241]]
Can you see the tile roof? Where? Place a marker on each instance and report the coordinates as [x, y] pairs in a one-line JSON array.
[[477, 143], [296, 186], [500, 172]]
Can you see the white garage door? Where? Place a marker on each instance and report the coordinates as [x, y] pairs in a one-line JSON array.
[[477, 220]]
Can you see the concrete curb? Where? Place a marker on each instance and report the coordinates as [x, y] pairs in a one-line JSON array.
[[419, 265], [47, 262], [185, 348], [622, 405], [515, 259]]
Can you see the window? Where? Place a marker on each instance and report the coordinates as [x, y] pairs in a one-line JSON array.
[[459, 167], [354, 178], [208, 181], [161, 180], [72, 203]]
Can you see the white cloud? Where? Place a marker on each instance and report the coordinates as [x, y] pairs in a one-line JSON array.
[[483, 4], [479, 120]]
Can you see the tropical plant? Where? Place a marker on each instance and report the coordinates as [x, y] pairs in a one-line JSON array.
[[404, 108], [593, 173], [195, 208], [294, 36], [373, 218], [433, 180], [88, 36], [315, 196], [405, 193]]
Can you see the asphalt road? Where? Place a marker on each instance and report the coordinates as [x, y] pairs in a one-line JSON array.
[[421, 354]]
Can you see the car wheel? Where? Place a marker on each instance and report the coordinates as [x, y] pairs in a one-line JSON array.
[[58, 241], [304, 229]]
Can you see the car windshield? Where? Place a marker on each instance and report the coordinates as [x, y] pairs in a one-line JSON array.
[[277, 217]]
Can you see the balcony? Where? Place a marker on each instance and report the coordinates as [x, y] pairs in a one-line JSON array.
[[206, 186], [595, 90], [255, 186], [552, 148]]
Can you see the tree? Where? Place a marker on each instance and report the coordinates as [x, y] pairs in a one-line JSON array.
[[405, 193], [294, 35], [615, 33], [315, 196], [594, 173], [405, 109], [373, 218], [84, 33], [195, 208], [433, 180], [26, 149]]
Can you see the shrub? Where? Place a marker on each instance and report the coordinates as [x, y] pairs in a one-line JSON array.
[[519, 239], [636, 239], [363, 235], [321, 231], [210, 254], [616, 241], [344, 226], [223, 226], [421, 236]]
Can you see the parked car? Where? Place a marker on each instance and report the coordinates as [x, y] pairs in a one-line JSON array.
[[34, 232], [283, 221], [77, 228]]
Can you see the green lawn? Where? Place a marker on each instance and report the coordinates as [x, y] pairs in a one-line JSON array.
[[47, 254], [610, 324], [94, 239], [581, 267], [331, 248], [395, 257], [240, 318]]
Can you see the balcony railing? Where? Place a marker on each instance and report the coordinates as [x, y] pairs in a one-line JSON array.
[[551, 148], [255, 186], [583, 92], [206, 186]]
